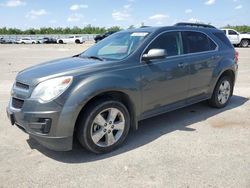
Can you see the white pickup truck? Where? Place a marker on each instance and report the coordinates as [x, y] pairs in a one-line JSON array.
[[237, 38], [71, 39]]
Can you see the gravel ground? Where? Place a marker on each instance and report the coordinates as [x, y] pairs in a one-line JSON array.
[[196, 146]]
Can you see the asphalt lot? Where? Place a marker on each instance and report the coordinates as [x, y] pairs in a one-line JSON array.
[[196, 146]]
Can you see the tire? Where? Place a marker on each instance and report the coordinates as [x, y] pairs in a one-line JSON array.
[[60, 42], [77, 41], [222, 93], [111, 131], [244, 43]]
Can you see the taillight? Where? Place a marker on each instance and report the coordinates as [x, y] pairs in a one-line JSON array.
[[236, 56]]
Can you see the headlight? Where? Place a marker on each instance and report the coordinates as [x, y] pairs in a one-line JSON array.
[[50, 89]]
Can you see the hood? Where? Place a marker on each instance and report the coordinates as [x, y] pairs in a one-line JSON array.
[[62, 67]]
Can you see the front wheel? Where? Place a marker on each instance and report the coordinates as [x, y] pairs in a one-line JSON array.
[[244, 43], [103, 126], [222, 92]]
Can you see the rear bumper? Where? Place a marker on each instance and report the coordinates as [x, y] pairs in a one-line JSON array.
[[41, 126]]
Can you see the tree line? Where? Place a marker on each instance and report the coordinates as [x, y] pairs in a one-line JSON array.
[[239, 28], [59, 30], [85, 30]]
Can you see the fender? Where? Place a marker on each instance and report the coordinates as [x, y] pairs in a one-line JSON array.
[[86, 89], [224, 65]]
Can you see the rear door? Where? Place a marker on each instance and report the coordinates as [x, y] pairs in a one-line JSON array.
[[201, 54]]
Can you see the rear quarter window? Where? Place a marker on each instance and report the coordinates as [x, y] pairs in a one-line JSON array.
[[223, 38]]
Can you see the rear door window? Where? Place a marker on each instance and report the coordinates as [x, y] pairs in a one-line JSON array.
[[231, 32], [195, 42]]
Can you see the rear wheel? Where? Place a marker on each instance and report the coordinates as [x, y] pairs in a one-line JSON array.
[[60, 42], [103, 126], [77, 41], [244, 43], [222, 92]]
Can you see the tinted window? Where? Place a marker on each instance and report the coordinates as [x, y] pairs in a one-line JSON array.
[[225, 32], [194, 42], [169, 41], [222, 37], [231, 32]]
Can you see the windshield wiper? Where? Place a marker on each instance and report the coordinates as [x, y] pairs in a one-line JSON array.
[[93, 57]]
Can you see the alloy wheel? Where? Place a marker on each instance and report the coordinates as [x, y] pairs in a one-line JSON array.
[[107, 127], [224, 92]]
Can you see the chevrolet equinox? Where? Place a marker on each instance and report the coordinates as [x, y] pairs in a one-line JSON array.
[[102, 93]]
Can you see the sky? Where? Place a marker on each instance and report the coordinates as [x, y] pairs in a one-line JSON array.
[[25, 14]]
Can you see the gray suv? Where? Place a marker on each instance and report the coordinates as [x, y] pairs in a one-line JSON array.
[[102, 93]]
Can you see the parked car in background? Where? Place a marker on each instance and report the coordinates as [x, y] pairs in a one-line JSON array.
[[26, 40], [2, 41], [7, 41], [71, 39], [46, 40], [102, 36], [102, 93], [236, 38]]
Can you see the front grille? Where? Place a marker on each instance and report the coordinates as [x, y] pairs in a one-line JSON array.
[[22, 86], [17, 103]]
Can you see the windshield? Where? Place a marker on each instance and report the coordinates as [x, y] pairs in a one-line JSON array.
[[117, 46]]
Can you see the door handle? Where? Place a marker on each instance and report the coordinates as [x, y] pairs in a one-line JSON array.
[[182, 65]]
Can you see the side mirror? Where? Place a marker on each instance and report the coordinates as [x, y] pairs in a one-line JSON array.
[[154, 54]]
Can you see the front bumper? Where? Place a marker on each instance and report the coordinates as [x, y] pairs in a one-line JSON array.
[[41, 125]]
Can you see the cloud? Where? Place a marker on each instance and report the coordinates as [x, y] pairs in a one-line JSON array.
[[158, 17], [188, 11], [238, 7], [75, 17], [194, 20], [13, 3], [33, 14], [120, 15], [124, 14], [77, 7], [128, 6], [209, 2]]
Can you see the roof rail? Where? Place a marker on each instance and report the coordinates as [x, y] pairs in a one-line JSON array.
[[194, 25]]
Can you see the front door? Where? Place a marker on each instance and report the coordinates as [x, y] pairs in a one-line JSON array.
[[164, 81]]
